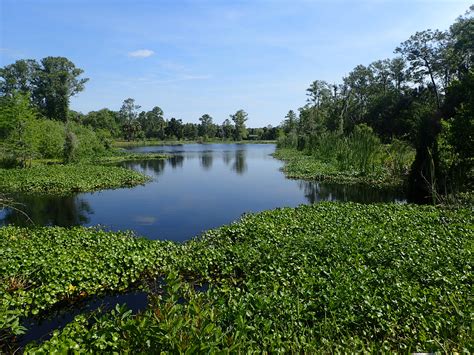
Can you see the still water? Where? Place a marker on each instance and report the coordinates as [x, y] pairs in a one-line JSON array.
[[199, 187]]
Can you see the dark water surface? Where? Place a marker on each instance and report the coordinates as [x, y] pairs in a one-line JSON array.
[[40, 328], [201, 186]]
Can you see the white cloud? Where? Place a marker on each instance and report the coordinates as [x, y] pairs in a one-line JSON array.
[[141, 53]]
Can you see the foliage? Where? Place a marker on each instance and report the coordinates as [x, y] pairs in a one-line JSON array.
[[64, 179], [398, 157], [47, 138], [239, 118], [43, 266], [104, 119], [70, 147], [28, 137], [357, 158], [299, 165], [330, 277], [89, 146], [401, 99], [49, 83], [17, 118]]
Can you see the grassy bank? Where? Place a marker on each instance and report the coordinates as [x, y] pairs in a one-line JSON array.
[[322, 278], [299, 165]]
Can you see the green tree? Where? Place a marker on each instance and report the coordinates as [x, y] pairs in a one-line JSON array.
[[239, 119], [17, 116], [206, 128], [424, 52], [227, 129], [20, 76], [153, 123], [128, 116], [103, 119], [174, 128], [57, 80], [190, 131], [291, 122]]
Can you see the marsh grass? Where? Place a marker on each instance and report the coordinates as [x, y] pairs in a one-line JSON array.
[[357, 158]]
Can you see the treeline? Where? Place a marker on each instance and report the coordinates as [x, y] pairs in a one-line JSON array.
[[132, 124], [36, 121], [424, 97]]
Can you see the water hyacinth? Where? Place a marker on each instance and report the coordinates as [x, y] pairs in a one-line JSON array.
[[65, 179], [328, 277]]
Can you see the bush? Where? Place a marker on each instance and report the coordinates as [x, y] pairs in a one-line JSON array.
[[89, 145], [47, 138]]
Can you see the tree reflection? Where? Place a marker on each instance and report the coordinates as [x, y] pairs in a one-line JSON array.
[[154, 165], [206, 160], [176, 161], [240, 164], [227, 156], [48, 210], [315, 191]]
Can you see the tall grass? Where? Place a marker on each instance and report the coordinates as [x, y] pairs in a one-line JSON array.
[[361, 151]]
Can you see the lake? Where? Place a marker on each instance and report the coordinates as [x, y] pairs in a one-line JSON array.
[[199, 187]]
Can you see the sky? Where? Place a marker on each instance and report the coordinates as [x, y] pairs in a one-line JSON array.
[[215, 57]]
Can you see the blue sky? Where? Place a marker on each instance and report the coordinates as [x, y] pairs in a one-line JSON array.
[[196, 57]]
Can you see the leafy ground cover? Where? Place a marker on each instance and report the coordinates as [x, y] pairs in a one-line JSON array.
[[324, 278], [42, 267], [68, 178], [299, 165]]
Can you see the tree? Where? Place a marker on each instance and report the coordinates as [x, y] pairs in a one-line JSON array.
[[56, 81], [239, 118], [19, 76], [175, 128], [397, 72], [206, 126], [424, 52], [153, 123], [290, 124], [318, 92], [461, 44], [128, 115], [227, 129], [103, 119], [17, 117], [190, 131]]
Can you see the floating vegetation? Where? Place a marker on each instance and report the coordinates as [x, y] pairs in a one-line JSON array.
[[68, 178], [332, 277]]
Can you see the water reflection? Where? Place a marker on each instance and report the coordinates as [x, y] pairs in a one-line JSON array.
[[176, 161], [198, 187], [152, 167], [315, 191], [227, 156], [240, 165], [47, 210], [206, 160]]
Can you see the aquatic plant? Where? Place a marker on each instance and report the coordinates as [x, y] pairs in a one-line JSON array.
[[68, 178], [332, 277]]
